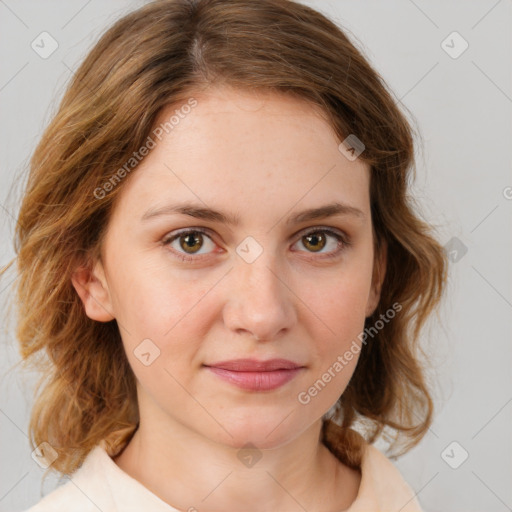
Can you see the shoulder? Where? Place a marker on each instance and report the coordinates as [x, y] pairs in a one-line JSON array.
[[383, 481], [84, 491], [67, 497]]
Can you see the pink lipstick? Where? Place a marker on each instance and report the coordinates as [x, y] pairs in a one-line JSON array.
[[254, 375]]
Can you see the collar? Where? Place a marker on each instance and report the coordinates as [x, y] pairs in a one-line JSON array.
[[382, 487]]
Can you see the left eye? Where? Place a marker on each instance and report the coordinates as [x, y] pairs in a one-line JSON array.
[[317, 240], [191, 241]]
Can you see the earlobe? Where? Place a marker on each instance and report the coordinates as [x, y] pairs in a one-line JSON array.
[[92, 288], [379, 272]]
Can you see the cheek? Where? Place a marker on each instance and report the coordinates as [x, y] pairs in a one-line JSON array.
[[175, 311], [336, 349], [153, 299], [339, 303], [341, 306]]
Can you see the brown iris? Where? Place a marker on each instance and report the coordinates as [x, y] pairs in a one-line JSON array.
[[189, 241], [316, 240]]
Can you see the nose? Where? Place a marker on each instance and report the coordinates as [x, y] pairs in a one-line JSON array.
[[261, 303]]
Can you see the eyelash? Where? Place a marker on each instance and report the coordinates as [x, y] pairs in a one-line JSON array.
[[342, 240]]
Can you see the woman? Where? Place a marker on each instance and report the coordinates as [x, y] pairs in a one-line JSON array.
[[218, 256]]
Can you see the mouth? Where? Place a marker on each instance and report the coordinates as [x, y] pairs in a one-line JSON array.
[[253, 375]]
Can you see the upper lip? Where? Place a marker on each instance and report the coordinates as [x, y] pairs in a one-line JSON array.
[[253, 365]]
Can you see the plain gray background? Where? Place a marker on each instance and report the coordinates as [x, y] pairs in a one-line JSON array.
[[462, 105]]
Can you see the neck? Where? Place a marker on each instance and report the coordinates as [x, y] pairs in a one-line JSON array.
[[191, 472]]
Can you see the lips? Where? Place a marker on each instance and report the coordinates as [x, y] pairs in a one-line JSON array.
[[252, 365], [254, 375]]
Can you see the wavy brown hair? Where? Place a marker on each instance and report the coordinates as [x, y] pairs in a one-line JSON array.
[[159, 55]]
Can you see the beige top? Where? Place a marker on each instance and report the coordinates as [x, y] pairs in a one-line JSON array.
[[99, 484]]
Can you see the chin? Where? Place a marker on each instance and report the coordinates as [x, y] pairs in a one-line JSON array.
[[266, 432]]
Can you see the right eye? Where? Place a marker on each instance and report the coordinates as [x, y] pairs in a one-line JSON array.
[[188, 243]]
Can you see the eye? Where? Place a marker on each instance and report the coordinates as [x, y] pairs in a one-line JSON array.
[[189, 242], [320, 238]]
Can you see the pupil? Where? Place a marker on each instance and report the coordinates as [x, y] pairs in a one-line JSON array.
[[315, 237], [190, 241]]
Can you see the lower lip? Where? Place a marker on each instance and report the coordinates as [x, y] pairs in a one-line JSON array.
[[256, 381]]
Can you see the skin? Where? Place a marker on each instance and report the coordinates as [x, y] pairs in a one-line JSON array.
[[262, 157]]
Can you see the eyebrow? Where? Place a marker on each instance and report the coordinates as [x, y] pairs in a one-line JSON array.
[[200, 212]]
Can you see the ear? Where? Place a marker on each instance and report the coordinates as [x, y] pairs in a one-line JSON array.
[[91, 285], [379, 272]]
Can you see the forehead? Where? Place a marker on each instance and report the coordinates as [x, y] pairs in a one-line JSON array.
[[254, 148]]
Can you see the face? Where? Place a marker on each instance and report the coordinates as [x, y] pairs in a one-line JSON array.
[[258, 280]]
